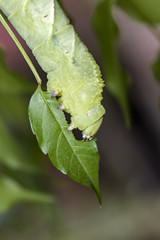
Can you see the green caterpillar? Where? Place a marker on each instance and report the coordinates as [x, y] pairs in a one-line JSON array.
[[71, 70]]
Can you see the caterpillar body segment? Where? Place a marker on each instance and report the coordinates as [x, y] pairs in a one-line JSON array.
[[71, 70]]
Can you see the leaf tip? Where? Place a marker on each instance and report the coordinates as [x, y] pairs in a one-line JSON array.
[[98, 194]]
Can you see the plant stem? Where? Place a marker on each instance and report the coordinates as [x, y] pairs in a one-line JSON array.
[[26, 57]]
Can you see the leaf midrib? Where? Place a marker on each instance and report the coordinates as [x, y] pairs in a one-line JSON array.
[[92, 182]]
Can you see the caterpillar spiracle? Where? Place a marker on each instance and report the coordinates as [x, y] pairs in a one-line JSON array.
[[72, 72]]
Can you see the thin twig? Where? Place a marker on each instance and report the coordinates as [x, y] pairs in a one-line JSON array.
[[26, 57]]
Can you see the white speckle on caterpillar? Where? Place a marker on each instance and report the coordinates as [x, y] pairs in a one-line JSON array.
[[89, 113]]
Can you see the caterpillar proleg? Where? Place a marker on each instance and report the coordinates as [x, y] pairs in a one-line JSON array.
[[72, 73]]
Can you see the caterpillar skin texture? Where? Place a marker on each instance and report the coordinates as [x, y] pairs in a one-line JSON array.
[[71, 70]]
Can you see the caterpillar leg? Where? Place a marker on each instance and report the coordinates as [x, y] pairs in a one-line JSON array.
[[61, 107], [55, 93], [70, 128]]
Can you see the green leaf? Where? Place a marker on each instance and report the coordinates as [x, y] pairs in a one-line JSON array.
[[11, 192], [143, 10], [78, 159], [117, 80]]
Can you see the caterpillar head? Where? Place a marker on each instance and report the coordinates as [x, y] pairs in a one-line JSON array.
[[90, 121], [89, 132]]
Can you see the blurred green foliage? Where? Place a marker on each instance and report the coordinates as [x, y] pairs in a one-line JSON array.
[[142, 10], [156, 68], [117, 80], [18, 151], [11, 192]]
